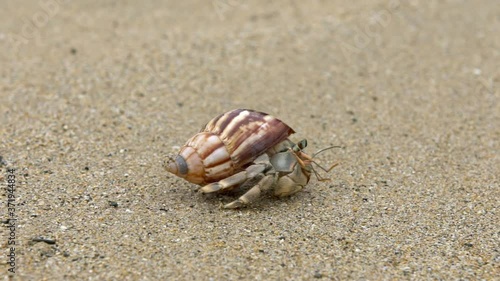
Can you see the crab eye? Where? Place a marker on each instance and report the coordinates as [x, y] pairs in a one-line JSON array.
[[302, 144]]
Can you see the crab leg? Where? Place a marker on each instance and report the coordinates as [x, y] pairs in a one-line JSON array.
[[263, 185]]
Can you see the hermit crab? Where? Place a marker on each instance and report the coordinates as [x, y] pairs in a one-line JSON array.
[[248, 149]]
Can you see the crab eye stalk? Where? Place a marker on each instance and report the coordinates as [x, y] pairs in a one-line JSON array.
[[300, 145]]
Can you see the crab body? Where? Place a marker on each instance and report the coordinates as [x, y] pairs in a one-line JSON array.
[[241, 147]]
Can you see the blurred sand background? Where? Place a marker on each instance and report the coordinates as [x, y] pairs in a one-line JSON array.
[[95, 94]]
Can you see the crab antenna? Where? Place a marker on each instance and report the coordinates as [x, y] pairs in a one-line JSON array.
[[324, 169], [325, 149], [320, 178]]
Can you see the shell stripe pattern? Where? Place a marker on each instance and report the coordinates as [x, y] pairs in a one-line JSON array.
[[214, 155], [247, 133]]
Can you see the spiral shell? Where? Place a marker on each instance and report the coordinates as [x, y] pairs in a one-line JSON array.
[[226, 144]]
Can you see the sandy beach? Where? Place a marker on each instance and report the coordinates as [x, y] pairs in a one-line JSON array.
[[94, 95]]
